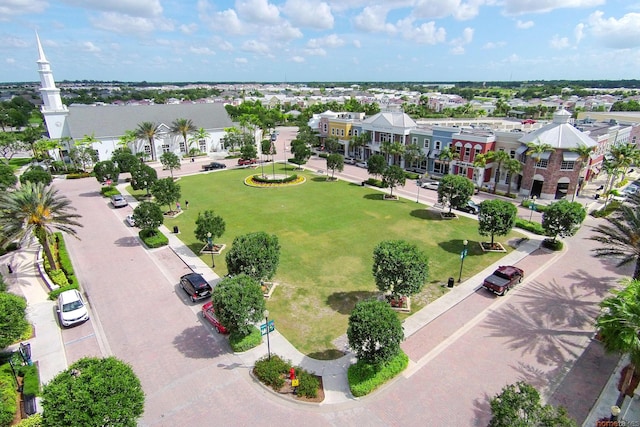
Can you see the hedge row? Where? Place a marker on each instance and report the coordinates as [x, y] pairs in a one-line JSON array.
[[612, 206], [8, 396], [365, 378], [109, 190], [78, 175], [153, 238], [30, 380], [531, 226], [64, 259], [263, 180], [375, 183]]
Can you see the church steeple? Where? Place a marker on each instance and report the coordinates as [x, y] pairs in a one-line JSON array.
[[54, 111]]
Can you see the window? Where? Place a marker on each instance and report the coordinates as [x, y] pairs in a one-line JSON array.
[[350, 133], [355, 132], [386, 137], [333, 131], [203, 145], [439, 167], [325, 127], [165, 148], [414, 140], [567, 166], [542, 164], [147, 149], [512, 154], [341, 132], [183, 147], [467, 152], [426, 144], [437, 145]]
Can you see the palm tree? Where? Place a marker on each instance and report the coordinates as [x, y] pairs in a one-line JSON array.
[[36, 210], [359, 141], [536, 150], [498, 157], [584, 154], [183, 127], [621, 235], [511, 166], [447, 155], [619, 328], [148, 131], [199, 135], [623, 156], [480, 161]]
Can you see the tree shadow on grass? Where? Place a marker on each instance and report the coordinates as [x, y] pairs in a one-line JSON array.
[[456, 246], [197, 342], [344, 302], [426, 213], [374, 196]]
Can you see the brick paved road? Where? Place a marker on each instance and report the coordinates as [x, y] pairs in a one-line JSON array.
[[190, 377]]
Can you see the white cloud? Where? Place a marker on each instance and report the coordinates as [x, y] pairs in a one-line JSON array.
[[524, 25], [142, 8], [373, 19], [520, 7], [426, 33], [578, 32], [255, 46], [433, 9], [558, 42], [21, 7], [331, 40], [459, 42], [123, 24], [13, 42], [227, 22], [298, 59], [257, 11], [241, 61], [357, 44], [283, 32], [202, 50], [10, 61], [494, 45], [222, 44], [90, 47], [309, 14], [620, 33], [316, 51], [188, 28]]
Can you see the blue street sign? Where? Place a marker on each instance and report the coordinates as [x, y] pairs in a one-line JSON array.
[[532, 207], [263, 327], [463, 254]]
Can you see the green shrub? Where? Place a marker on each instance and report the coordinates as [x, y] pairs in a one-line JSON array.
[[411, 175], [58, 278], [554, 245], [296, 161], [153, 238], [13, 246], [539, 208], [606, 211], [30, 381], [34, 420], [8, 397], [308, 385], [78, 175], [270, 372], [375, 183], [3, 285], [531, 226], [54, 294], [365, 378], [243, 343], [259, 178], [109, 190], [64, 259]]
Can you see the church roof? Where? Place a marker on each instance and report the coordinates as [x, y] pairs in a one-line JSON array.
[[390, 119], [105, 121], [559, 134]]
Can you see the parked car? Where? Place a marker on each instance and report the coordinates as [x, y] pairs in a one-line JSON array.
[[71, 308], [349, 161], [471, 207], [118, 201], [431, 185], [209, 313], [195, 286], [213, 165], [503, 279], [362, 165], [247, 162], [129, 219]]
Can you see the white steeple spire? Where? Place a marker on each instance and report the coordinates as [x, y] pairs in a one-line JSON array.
[[54, 111]]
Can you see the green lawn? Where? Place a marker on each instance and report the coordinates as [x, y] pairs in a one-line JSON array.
[[327, 232]]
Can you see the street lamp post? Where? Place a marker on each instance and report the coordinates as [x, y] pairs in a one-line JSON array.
[[210, 244], [463, 255], [532, 207], [266, 322], [418, 196]]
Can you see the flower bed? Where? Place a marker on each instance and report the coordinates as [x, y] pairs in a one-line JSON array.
[[496, 247]]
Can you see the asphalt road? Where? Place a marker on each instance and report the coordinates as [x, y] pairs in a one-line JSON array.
[[458, 362]]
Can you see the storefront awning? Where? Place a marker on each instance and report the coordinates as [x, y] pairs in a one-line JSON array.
[[541, 156], [570, 156], [521, 150]]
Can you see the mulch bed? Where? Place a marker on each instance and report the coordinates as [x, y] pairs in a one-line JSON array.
[[288, 390]]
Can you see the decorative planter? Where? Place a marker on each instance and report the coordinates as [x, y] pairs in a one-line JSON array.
[[268, 288], [497, 247], [216, 249], [402, 304], [448, 215]]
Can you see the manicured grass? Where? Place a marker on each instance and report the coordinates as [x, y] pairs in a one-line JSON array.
[[327, 232]]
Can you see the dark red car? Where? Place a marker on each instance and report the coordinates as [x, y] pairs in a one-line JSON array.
[[247, 162], [209, 314]]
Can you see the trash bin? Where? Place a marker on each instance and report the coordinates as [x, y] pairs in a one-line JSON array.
[[450, 282], [362, 183], [175, 229], [30, 406]]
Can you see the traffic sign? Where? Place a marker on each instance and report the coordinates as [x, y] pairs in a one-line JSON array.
[[263, 327]]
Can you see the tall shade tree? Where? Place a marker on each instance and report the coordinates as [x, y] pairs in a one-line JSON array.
[[183, 127], [143, 176], [106, 170], [36, 174], [335, 162], [399, 268], [254, 254], [374, 332], [376, 164], [331, 144], [455, 191], [148, 131], [93, 392], [535, 150], [148, 216], [393, 176], [239, 303], [7, 177], [562, 218], [208, 222], [620, 236], [496, 218], [170, 161], [36, 210], [618, 325], [166, 192]]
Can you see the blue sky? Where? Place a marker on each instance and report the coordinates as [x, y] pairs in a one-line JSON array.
[[316, 40]]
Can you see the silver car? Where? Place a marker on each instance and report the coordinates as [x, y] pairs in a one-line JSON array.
[[118, 201]]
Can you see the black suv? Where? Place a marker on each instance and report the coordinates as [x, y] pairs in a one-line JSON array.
[[195, 286], [214, 165]]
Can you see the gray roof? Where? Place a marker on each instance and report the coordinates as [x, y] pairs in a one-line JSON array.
[[559, 134], [106, 121]]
